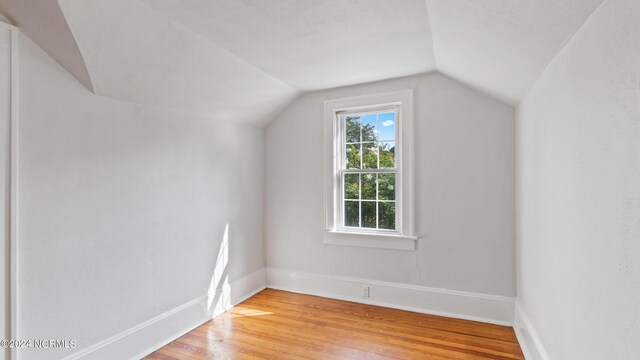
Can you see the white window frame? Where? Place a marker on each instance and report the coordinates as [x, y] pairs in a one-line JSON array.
[[403, 238]]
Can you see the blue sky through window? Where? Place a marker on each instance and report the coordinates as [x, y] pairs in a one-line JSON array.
[[387, 130]]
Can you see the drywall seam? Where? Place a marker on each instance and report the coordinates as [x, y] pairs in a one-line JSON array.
[[433, 38]]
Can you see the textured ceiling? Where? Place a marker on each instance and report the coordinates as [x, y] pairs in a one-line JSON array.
[[315, 44], [244, 60], [502, 46], [142, 55]]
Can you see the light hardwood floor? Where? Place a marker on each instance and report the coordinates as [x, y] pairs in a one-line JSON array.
[[277, 324]]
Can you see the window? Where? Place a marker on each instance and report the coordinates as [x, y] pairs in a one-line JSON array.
[[369, 175], [368, 170]]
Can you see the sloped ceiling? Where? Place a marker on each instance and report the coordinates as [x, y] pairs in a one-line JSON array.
[[502, 46], [244, 60], [315, 44], [44, 22], [138, 54]]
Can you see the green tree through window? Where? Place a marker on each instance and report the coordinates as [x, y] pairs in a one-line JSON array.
[[369, 179]]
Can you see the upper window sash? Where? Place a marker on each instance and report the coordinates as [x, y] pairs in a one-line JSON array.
[[341, 138]]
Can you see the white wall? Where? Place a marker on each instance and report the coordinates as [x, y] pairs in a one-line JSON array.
[[464, 167], [123, 207], [579, 195]]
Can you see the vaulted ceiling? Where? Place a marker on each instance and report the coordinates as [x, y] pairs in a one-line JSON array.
[[244, 60]]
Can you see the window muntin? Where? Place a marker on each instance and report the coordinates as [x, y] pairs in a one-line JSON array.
[[368, 170]]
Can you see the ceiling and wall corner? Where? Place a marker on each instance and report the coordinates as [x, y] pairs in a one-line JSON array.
[[143, 56], [315, 44], [501, 47], [44, 22], [245, 60]]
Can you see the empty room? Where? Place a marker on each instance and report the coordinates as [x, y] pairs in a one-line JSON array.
[[320, 179]]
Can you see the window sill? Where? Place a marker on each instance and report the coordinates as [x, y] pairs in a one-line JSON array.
[[380, 241]]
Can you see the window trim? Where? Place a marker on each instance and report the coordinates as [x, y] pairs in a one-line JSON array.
[[403, 238]]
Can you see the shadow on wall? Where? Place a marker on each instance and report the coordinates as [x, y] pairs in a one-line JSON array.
[[219, 294]]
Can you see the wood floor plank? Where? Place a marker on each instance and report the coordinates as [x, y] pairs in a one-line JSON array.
[[367, 331], [276, 324], [388, 327]]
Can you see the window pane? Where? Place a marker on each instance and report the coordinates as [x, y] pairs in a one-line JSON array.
[[387, 151], [370, 198], [386, 122], [352, 124], [369, 214], [352, 156], [369, 155], [369, 128], [351, 213], [387, 215], [368, 186], [386, 186], [352, 186]]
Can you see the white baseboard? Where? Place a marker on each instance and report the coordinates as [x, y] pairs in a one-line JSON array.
[[451, 303], [151, 335], [528, 337]]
